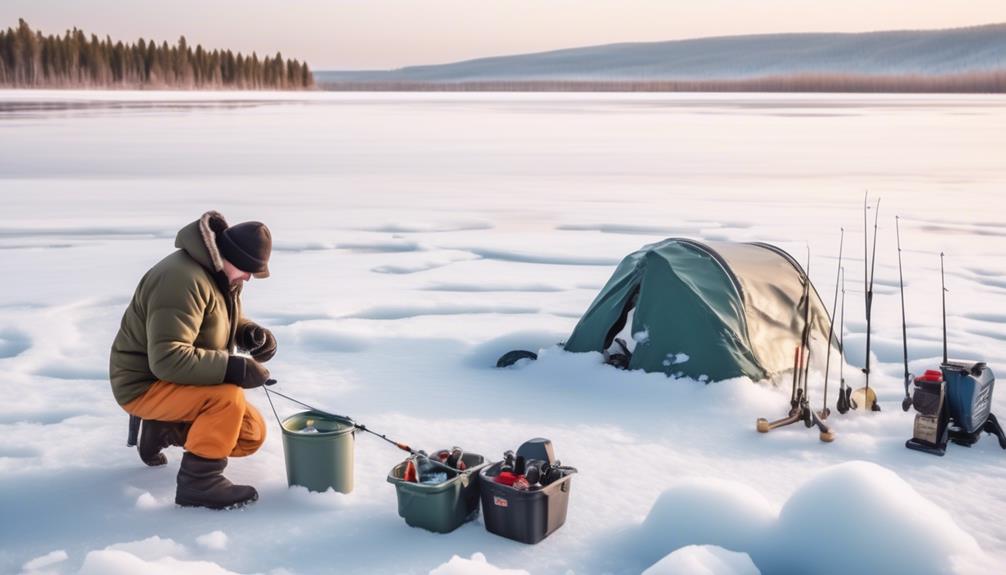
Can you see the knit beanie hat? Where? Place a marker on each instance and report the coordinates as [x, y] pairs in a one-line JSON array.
[[247, 246]]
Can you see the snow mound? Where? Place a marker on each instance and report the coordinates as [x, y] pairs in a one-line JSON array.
[[39, 565], [477, 565], [704, 560], [854, 517], [148, 501], [723, 513], [157, 556], [112, 562], [151, 548], [860, 517], [214, 541]]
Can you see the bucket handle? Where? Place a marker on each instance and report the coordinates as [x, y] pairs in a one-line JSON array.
[[268, 395], [355, 425]]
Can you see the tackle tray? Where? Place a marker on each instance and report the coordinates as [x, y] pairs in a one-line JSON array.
[[440, 507]]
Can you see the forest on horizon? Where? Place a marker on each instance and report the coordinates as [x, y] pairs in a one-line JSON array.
[[31, 59]]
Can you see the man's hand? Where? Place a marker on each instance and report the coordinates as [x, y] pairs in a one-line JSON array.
[[246, 373], [258, 341]]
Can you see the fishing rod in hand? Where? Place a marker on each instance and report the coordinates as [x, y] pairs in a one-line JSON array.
[[359, 426]]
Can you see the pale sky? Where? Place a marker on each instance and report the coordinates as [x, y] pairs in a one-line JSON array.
[[382, 34]]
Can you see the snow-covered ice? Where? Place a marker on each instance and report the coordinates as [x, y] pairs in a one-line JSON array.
[[421, 236]]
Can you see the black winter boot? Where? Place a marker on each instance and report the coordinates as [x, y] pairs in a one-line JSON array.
[[157, 435], [201, 484]]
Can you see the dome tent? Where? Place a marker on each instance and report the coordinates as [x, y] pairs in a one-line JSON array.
[[711, 310]]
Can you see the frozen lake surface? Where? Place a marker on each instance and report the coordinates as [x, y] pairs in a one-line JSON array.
[[417, 237]]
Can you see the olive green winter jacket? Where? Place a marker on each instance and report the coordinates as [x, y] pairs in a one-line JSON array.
[[180, 325]]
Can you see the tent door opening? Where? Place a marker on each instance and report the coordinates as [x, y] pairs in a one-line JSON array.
[[619, 343]]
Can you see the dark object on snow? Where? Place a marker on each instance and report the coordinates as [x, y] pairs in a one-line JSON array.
[[715, 309], [930, 431], [511, 357], [201, 483], [969, 402], [954, 403], [526, 508], [158, 435], [620, 358], [441, 507], [844, 402]]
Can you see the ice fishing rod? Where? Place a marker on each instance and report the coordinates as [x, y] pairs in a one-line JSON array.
[[825, 412], [796, 391], [907, 402], [351, 421], [807, 320], [844, 392], [805, 337], [943, 289], [867, 397]]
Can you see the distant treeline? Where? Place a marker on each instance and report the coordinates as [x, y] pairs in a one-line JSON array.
[[29, 59], [967, 83]]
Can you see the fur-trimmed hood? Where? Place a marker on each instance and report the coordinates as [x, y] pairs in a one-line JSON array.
[[183, 319], [199, 240]]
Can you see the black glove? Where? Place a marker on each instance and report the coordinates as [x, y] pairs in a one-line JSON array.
[[246, 373], [258, 341]]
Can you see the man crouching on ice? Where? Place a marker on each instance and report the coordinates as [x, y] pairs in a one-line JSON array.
[[173, 362]]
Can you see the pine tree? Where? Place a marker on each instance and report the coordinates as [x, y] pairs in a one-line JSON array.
[[31, 59]]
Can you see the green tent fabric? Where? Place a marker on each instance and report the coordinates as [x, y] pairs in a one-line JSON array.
[[711, 310]]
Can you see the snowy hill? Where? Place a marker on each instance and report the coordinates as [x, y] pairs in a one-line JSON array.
[[926, 52]]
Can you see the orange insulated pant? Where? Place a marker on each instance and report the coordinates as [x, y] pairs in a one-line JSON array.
[[223, 423]]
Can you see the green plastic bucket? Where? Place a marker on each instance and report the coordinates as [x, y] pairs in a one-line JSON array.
[[321, 459], [443, 507]]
